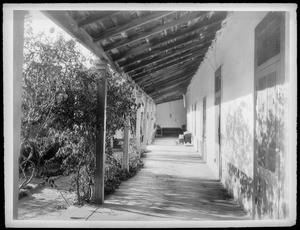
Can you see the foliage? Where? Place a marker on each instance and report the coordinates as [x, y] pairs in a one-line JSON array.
[[59, 107]]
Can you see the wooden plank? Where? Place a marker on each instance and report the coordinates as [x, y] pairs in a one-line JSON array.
[[168, 89], [192, 48], [97, 17], [189, 42], [169, 64], [18, 43], [168, 85], [168, 78], [174, 69], [172, 98], [170, 95], [159, 88], [132, 24], [174, 78], [171, 61], [158, 29], [157, 49], [211, 26], [170, 73], [169, 69], [100, 141]]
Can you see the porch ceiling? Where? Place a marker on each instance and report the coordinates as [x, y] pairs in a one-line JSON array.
[[159, 50]]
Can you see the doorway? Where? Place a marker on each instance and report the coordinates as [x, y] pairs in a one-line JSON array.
[[269, 115]]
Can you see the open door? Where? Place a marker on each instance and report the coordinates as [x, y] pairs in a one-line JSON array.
[[269, 116]]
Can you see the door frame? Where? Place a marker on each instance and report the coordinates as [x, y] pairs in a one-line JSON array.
[[257, 72]]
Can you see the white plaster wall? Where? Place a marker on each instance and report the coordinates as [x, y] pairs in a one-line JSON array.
[[234, 50], [177, 111]]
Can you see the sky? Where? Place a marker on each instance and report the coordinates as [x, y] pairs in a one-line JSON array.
[[41, 23]]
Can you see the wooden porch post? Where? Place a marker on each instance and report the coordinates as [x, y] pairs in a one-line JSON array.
[[18, 43], [138, 124], [125, 160], [101, 129], [145, 121]]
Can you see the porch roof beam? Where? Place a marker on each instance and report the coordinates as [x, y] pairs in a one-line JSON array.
[[180, 88], [169, 70], [167, 99], [134, 23], [197, 28], [170, 64], [167, 55], [161, 28], [159, 85], [181, 75], [174, 69], [189, 42], [97, 17]]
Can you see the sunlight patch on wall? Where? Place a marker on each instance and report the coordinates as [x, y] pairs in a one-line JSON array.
[[237, 133]]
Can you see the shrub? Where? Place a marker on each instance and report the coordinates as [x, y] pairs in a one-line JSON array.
[[59, 108]]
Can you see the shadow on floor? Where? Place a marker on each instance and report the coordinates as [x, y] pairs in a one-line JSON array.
[[181, 198]]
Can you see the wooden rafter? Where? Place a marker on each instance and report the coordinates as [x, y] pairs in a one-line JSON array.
[[179, 45], [134, 23], [171, 61], [97, 17], [158, 29], [169, 70], [169, 98], [169, 64], [185, 32], [163, 84], [170, 78], [166, 55], [165, 75], [172, 88]]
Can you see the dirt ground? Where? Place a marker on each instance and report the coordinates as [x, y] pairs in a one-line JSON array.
[[46, 201]]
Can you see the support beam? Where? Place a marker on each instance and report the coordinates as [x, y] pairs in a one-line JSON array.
[[161, 28], [171, 49], [170, 64], [173, 59], [100, 135], [144, 142], [138, 123], [168, 71], [166, 58], [134, 23], [126, 142], [178, 44], [97, 17], [18, 43], [201, 27], [170, 77], [161, 85], [164, 87], [169, 98]]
